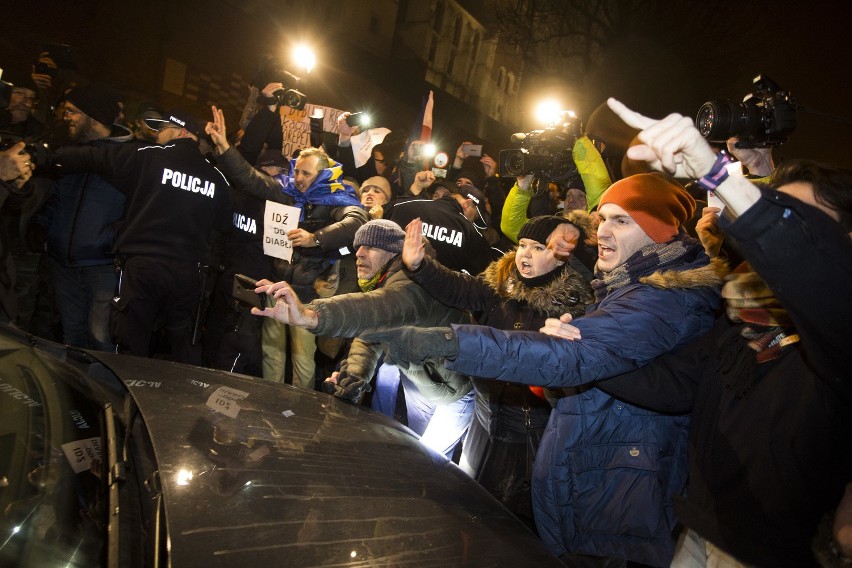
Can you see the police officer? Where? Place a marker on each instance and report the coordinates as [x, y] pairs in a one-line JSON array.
[[450, 224], [176, 198]]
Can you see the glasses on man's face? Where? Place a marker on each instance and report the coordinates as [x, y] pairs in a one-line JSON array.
[[69, 112]]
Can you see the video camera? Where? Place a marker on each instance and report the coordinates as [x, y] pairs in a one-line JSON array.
[[545, 153], [766, 117], [271, 70]]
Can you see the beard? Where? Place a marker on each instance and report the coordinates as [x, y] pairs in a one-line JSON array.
[[84, 131]]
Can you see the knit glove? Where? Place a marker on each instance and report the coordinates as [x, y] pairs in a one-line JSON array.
[[411, 345]]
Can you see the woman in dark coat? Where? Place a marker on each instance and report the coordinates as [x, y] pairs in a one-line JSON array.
[[518, 291]]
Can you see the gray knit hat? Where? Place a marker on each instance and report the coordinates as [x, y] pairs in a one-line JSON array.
[[380, 234]]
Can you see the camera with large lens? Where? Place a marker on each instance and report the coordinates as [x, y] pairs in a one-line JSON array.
[[40, 152], [766, 117], [543, 153], [271, 70]]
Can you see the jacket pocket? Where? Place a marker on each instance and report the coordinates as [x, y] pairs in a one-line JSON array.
[[615, 489]]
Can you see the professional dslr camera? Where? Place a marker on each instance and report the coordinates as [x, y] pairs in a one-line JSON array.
[[270, 70], [766, 117], [543, 153]]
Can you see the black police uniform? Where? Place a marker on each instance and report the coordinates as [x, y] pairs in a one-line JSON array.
[[175, 200], [458, 244], [233, 335]]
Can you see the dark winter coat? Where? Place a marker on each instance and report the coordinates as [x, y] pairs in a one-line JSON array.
[[509, 419], [397, 302], [82, 216], [333, 226], [770, 446], [606, 471]]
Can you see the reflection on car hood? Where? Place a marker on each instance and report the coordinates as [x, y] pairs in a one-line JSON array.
[[262, 474]]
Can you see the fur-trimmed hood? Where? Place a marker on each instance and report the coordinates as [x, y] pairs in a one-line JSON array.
[[568, 292], [707, 276]]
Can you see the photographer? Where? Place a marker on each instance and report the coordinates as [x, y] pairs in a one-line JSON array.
[[79, 223]]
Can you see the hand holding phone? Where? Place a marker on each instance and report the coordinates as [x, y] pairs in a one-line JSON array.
[[472, 150], [243, 290]]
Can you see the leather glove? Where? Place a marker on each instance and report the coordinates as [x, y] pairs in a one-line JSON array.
[[411, 345], [349, 388]]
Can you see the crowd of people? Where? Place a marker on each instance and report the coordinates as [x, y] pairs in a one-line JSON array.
[[641, 378]]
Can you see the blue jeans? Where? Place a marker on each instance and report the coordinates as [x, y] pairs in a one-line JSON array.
[[83, 295], [386, 386], [441, 427]]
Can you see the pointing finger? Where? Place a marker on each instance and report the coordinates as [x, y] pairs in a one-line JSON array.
[[630, 117]]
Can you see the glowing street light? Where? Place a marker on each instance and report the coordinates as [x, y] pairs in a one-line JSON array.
[[548, 112], [304, 57]]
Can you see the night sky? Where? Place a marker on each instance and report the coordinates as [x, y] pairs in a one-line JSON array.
[[806, 47]]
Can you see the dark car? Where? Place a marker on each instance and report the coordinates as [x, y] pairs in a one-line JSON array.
[[119, 461]]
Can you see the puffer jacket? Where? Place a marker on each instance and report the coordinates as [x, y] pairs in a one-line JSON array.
[[82, 216], [334, 227], [606, 471], [398, 301]]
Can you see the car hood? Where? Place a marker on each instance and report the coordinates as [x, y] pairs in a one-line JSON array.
[[259, 473]]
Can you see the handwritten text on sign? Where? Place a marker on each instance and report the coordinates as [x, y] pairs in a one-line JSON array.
[[278, 220]]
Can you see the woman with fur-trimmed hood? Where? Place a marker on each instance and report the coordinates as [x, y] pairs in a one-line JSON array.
[[516, 292]]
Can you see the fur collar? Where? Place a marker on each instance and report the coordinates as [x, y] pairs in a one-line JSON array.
[[568, 292], [708, 276]]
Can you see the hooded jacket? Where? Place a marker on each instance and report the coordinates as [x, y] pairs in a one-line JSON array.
[[606, 471], [398, 301], [82, 216]]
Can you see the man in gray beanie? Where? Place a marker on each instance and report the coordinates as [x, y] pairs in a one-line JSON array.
[[389, 299]]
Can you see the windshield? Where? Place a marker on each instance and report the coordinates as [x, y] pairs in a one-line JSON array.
[[52, 497]]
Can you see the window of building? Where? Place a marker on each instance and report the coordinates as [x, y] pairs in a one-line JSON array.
[[438, 23]]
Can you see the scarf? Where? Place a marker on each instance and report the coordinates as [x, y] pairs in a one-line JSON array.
[[370, 284], [650, 258], [327, 189], [749, 300]]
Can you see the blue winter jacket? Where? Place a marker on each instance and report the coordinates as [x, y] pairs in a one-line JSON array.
[[606, 471], [82, 216]]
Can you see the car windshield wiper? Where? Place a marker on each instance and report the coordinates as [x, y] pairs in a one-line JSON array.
[[115, 473]]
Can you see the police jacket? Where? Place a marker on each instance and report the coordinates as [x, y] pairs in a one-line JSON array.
[[333, 226], [458, 244], [82, 216], [606, 471], [176, 197]]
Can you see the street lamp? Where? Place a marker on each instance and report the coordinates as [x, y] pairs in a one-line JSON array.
[[304, 57]]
